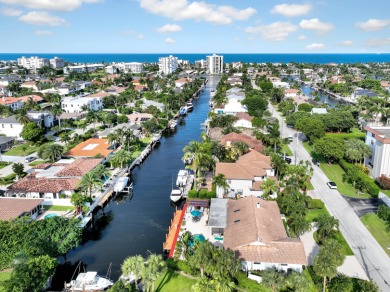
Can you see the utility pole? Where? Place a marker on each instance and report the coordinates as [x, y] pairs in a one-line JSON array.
[[296, 148]]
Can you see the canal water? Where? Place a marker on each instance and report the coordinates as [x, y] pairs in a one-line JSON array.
[[325, 98], [138, 224]]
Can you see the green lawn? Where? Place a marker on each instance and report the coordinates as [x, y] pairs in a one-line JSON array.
[[313, 214], [335, 173], [4, 164], [287, 149], [248, 285], [4, 275], [378, 229], [37, 162], [171, 281], [58, 208], [339, 237], [146, 140], [310, 186], [355, 133], [18, 150], [386, 192]]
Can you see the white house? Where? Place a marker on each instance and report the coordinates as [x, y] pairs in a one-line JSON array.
[[33, 63], [246, 175], [255, 233], [239, 96], [291, 93], [76, 104], [231, 108], [281, 84], [243, 121], [131, 67], [46, 118], [83, 68], [146, 103], [57, 63], [378, 138], [319, 110], [168, 65], [234, 90]]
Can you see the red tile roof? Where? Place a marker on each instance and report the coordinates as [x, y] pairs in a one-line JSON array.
[[91, 148], [231, 138], [12, 208]]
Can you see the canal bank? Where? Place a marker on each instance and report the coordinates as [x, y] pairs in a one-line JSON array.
[[138, 224]]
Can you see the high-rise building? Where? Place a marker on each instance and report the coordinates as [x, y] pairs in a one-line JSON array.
[[33, 63], [57, 63], [215, 64], [168, 65]]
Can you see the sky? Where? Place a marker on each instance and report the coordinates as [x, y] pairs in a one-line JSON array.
[[201, 26]]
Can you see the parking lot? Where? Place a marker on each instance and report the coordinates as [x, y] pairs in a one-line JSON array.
[[363, 206]]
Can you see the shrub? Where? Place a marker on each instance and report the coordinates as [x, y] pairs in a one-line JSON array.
[[172, 264], [192, 193], [203, 193], [211, 194], [315, 204], [384, 182], [384, 213], [183, 266]]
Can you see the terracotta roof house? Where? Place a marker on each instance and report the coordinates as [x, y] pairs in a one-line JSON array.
[[291, 92], [231, 138], [138, 118], [12, 208], [54, 181], [244, 175], [91, 148], [256, 234], [244, 120]]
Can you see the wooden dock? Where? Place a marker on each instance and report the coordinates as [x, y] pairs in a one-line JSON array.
[[188, 187], [174, 229]]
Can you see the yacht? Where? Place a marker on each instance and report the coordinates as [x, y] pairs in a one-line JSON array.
[[182, 178], [89, 281], [176, 194], [183, 111], [172, 124], [190, 106]]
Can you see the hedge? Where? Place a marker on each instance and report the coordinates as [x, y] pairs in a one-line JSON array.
[[315, 204]]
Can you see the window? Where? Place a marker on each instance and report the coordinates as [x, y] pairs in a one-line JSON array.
[[11, 126], [372, 142], [372, 135], [257, 263]]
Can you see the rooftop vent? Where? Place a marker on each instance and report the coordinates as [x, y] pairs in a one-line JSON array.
[[258, 205]]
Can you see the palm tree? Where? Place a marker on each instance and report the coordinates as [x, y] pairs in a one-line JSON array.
[[88, 181], [342, 283], [203, 285], [121, 157], [50, 152], [65, 137], [133, 266], [93, 117], [203, 255], [154, 268], [268, 187], [101, 171], [22, 117], [129, 138], [78, 200], [326, 224], [182, 249], [221, 184], [239, 148], [56, 111], [273, 279], [274, 134], [298, 282]]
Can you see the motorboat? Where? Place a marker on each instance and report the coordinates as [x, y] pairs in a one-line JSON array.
[[190, 106], [188, 160], [176, 194], [172, 124], [183, 111], [182, 178], [89, 281], [121, 184]]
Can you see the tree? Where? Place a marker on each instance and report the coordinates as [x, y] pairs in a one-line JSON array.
[[203, 285], [101, 171], [152, 270], [256, 105], [273, 279], [18, 168], [183, 248], [356, 150], [133, 266], [22, 117], [313, 128], [268, 187], [326, 224], [341, 283], [298, 282], [65, 137], [220, 184], [50, 152], [121, 157], [330, 148], [32, 274], [274, 134], [79, 200], [298, 223], [203, 256], [32, 132], [88, 181], [305, 107]]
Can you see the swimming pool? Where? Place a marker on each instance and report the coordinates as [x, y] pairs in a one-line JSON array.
[[50, 216]]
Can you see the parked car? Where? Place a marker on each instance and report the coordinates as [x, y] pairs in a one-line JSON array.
[[29, 159], [315, 162], [332, 185]]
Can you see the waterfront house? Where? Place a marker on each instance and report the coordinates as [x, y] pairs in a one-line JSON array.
[[16, 103], [281, 84], [92, 148], [53, 182], [13, 208], [77, 104], [246, 175], [138, 118], [244, 120], [238, 96], [234, 90], [180, 82], [363, 92], [378, 139], [228, 140], [256, 234], [319, 110], [146, 103], [135, 128], [291, 93], [231, 108]]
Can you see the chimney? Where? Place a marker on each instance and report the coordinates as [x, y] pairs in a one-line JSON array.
[[258, 205]]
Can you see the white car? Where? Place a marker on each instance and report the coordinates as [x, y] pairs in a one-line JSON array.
[[332, 185]]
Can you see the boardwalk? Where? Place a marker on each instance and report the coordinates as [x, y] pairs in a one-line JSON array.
[[174, 229]]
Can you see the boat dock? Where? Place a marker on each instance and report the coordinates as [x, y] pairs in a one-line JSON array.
[[188, 186], [173, 231]]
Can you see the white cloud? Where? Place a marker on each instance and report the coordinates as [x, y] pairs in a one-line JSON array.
[[316, 46], [170, 28], [316, 25], [140, 37], [198, 11], [291, 10], [42, 18], [43, 32], [11, 12], [277, 31], [170, 41], [373, 24], [58, 5], [346, 43], [302, 38], [376, 43]]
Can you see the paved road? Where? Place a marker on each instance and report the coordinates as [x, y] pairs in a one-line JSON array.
[[364, 206], [369, 253]]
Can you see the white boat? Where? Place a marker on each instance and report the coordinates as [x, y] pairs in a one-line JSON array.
[[90, 281], [121, 184], [172, 124], [190, 106], [176, 194], [183, 111], [182, 178]]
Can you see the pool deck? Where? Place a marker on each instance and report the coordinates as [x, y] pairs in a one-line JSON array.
[[58, 213]]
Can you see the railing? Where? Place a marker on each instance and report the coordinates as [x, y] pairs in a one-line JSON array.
[[385, 199]]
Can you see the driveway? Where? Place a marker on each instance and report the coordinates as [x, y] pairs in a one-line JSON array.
[[369, 253], [363, 206]]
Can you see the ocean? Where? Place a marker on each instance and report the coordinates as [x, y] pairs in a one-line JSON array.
[[228, 58]]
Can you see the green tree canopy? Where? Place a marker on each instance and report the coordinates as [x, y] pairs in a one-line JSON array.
[[330, 148], [313, 128], [32, 132]]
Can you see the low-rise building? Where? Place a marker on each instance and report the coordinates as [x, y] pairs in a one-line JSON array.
[[146, 103], [138, 118], [232, 108], [33, 63], [319, 110], [6, 142], [256, 234], [378, 138], [13, 208], [92, 148], [77, 104], [83, 68], [291, 93], [244, 120], [57, 63]]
